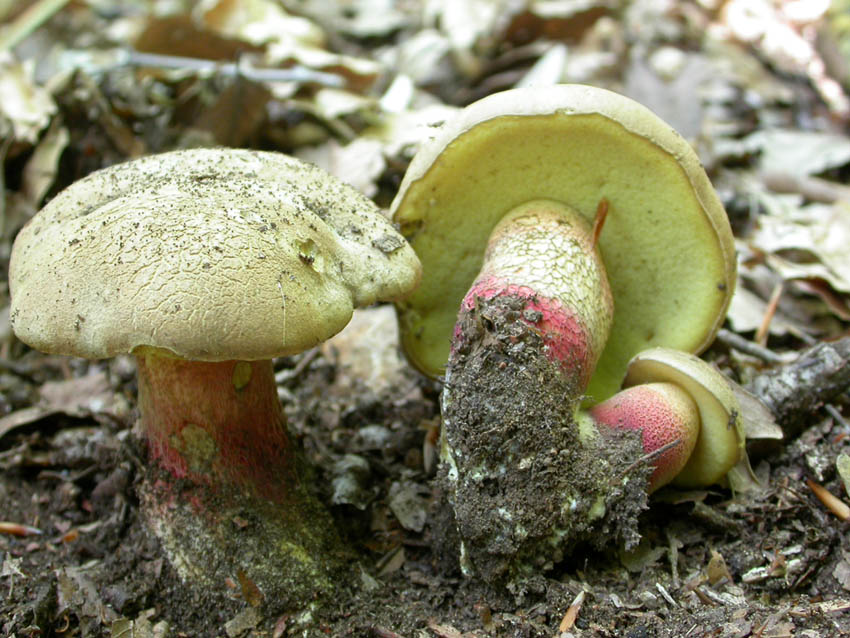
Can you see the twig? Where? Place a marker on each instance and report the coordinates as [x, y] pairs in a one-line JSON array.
[[287, 375], [646, 459], [28, 21], [793, 392], [100, 61], [835, 414], [734, 340], [769, 312], [17, 529], [814, 188], [830, 501]]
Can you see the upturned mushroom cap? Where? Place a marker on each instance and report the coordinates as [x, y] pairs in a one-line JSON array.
[[666, 244], [213, 254], [721, 436]]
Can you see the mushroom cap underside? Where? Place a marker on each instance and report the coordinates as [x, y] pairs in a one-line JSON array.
[[666, 243], [213, 254]]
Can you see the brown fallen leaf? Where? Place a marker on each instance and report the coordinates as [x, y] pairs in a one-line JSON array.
[[444, 631], [250, 592]]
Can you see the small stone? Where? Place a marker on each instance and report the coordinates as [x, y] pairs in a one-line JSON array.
[[842, 463], [350, 481], [243, 622], [409, 508], [372, 437]]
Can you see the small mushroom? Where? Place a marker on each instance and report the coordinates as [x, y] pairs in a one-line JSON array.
[[679, 402], [721, 441], [562, 230], [206, 264], [665, 417]]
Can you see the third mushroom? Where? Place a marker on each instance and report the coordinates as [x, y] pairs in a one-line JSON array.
[[562, 231]]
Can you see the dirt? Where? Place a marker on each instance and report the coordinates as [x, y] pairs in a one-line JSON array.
[[709, 563], [76, 557], [524, 485]]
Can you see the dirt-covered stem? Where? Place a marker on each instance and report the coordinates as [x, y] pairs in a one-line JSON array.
[[544, 254], [527, 339], [227, 493]]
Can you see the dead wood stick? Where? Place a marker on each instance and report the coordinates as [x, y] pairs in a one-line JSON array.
[[796, 390]]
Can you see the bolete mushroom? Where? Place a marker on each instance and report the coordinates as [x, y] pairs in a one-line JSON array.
[[561, 230], [686, 412], [206, 264]]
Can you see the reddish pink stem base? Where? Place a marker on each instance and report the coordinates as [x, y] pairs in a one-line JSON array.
[[202, 428], [565, 341], [224, 493], [664, 415]]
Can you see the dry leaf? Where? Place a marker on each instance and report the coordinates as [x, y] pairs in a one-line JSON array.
[[27, 108], [717, 569], [798, 152], [40, 170], [360, 18]]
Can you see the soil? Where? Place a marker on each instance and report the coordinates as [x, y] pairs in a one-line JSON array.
[[78, 560], [710, 563]]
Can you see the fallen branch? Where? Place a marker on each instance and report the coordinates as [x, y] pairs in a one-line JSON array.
[[795, 391]]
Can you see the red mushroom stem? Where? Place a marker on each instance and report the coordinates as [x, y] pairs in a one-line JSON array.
[[226, 481], [544, 255], [216, 424], [528, 336]]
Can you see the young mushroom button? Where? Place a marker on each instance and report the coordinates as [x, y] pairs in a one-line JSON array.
[[206, 264], [686, 412], [562, 230]]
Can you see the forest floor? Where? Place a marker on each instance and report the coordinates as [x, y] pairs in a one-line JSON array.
[[770, 123]]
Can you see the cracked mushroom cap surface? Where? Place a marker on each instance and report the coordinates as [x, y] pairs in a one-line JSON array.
[[666, 243], [213, 254], [721, 441]]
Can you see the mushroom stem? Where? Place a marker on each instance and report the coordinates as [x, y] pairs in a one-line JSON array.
[[225, 492], [543, 254], [528, 336], [217, 424]]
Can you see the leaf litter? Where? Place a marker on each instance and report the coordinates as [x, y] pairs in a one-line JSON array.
[[761, 90]]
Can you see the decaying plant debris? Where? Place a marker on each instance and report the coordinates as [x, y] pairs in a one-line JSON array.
[[355, 87]]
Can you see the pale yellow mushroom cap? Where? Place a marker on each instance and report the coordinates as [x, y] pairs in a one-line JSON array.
[[213, 254], [721, 440], [667, 245]]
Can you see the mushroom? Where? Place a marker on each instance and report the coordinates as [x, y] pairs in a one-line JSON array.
[[562, 230], [205, 264], [666, 245], [688, 416]]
